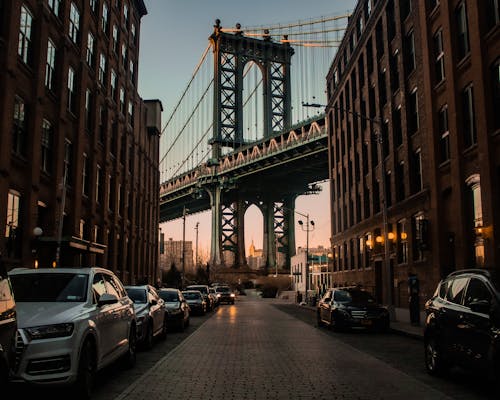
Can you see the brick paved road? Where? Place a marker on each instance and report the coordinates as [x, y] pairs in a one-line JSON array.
[[254, 351]]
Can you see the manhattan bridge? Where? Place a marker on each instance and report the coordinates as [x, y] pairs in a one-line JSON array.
[[248, 130]]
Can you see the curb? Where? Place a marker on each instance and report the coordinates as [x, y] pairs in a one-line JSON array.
[[412, 335]]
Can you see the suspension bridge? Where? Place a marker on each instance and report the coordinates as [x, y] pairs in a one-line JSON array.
[[237, 137]]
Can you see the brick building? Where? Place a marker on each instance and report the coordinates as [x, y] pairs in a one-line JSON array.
[[78, 146], [413, 108]]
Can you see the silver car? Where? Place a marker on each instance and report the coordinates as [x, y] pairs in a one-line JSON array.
[[71, 323]]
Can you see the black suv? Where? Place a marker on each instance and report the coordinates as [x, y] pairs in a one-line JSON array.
[[463, 322], [8, 326]]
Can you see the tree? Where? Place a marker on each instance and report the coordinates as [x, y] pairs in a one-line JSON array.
[[172, 278]]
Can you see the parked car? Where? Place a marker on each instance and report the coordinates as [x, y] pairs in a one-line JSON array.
[[72, 322], [196, 301], [177, 307], [8, 326], [213, 295], [150, 313], [350, 307], [204, 289], [462, 323], [224, 294]]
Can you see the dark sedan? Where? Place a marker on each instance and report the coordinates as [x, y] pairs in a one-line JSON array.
[[343, 308], [177, 307], [196, 301]]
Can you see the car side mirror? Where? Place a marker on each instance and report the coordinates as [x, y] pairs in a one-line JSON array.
[[107, 298], [480, 306]]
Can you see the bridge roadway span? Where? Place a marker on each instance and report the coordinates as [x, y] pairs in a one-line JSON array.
[[254, 351]]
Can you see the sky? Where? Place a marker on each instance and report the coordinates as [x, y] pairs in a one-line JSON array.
[[174, 35]]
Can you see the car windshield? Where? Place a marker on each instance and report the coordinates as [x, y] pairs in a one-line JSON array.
[[353, 296], [53, 287], [202, 289], [168, 296], [191, 296], [137, 295], [223, 289]]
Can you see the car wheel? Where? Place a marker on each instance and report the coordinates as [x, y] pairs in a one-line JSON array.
[[163, 334], [319, 320], [86, 372], [148, 338], [131, 355], [434, 361]]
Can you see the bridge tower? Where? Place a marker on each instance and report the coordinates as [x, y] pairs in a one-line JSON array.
[[231, 52]]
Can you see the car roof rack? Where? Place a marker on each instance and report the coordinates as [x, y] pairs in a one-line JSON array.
[[479, 271]]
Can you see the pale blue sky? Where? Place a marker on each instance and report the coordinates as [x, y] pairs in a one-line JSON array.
[[174, 35]]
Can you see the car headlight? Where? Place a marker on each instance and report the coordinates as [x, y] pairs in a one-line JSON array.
[[232, 294], [50, 331], [218, 294]]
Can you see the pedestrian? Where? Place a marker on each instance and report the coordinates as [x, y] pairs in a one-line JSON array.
[[413, 298]]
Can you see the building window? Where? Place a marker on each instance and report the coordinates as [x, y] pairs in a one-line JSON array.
[[493, 13], [131, 70], [90, 49], [88, 110], [476, 208], [55, 6], [125, 13], [405, 8], [115, 39], [74, 23], [85, 175], [432, 4], [396, 126], [402, 252], [68, 162], [98, 185], [25, 46], [131, 113], [462, 31], [93, 5], [495, 85], [46, 151], [105, 18], [122, 100], [400, 181], [409, 51], [438, 56], [71, 90], [444, 135], [419, 240], [132, 30], [469, 121], [50, 66], [412, 112], [12, 234], [19, 129], [394, 71], [102, 69], [124, 55], [417, 171], [113, 85]]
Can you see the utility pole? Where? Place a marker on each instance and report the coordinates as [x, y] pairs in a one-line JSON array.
[[309, 228], [183, 256], [196, 253]]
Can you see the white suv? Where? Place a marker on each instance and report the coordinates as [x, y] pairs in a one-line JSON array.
[[71, 323]]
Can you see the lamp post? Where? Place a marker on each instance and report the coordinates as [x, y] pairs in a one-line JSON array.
[[196, 251], [37, 232], [380, 142], [183, 256], [309, 227]]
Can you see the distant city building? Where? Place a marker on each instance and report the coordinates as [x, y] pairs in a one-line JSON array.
[[79, 148], [254, 258], [172, 254], [413, 112], [320, 274]]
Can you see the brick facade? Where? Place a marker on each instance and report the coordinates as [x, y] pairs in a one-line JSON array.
[[69, 103], [412, 87]]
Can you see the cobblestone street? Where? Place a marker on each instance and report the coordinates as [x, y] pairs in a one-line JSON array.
[[255, 351]]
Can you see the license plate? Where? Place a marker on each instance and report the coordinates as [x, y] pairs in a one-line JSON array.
[[366, 322]]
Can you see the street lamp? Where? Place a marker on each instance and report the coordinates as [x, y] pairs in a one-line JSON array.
[[196, 253], [309, 227], [37, 232], [183, 257]]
